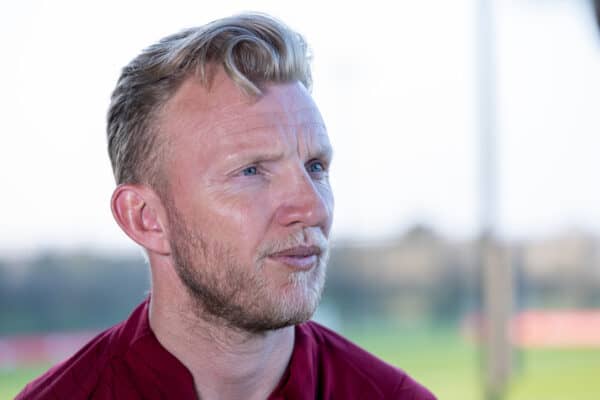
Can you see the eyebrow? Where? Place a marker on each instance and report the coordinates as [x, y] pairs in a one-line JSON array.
[[324, 152]]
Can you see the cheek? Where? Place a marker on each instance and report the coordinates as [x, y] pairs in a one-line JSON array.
[[241, 221], [328, 200], [239, 207]]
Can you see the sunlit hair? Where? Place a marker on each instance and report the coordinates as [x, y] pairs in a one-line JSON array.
[[252, 48]]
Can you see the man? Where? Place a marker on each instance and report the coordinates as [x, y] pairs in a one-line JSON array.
[[221, 159]]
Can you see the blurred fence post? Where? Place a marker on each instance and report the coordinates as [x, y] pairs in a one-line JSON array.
[[497, 306], [496, 269]]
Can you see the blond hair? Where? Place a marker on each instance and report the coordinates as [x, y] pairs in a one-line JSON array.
[[252, 48]]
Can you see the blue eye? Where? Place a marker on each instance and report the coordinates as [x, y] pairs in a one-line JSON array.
[[250, 171], [316, 167]]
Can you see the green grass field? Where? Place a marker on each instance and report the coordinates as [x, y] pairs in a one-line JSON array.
[[11, 382], [449, 367]]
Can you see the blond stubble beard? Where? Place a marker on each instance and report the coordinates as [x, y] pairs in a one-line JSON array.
[[224, 292]]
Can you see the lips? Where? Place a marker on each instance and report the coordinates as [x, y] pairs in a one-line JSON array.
[[299, 251], [300, 257]]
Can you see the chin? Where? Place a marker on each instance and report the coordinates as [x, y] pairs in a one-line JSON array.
[[294, 305], [302, 299]]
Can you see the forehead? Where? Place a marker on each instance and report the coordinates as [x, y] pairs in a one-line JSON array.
[[225, 113]]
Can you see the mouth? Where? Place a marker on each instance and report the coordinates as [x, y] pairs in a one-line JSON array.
[[301, 257]]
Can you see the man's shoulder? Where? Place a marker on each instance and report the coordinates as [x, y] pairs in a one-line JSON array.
[[75, 377], [78, 377], [354, 366]]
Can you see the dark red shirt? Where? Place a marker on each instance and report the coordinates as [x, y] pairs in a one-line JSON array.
[[127, 362]]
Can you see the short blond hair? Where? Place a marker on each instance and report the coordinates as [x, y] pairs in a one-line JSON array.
[[252, 48]]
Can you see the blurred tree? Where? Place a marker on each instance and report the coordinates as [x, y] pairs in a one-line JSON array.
[[57, 292]]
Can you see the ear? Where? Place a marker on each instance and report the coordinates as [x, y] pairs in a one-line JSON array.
[[139, 212]]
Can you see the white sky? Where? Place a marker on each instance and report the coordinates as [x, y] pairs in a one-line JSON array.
[[396, 83]]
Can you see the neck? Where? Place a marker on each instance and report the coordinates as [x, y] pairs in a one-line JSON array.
[[226, 363]]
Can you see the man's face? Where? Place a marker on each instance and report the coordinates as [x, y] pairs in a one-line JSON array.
[[248, 201]]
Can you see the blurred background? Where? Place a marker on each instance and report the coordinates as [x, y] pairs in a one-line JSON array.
[[467, 229]]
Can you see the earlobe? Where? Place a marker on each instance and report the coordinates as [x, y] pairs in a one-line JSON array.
[[135, 208]]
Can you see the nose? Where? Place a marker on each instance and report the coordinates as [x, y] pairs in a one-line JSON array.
[[304, 202]]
